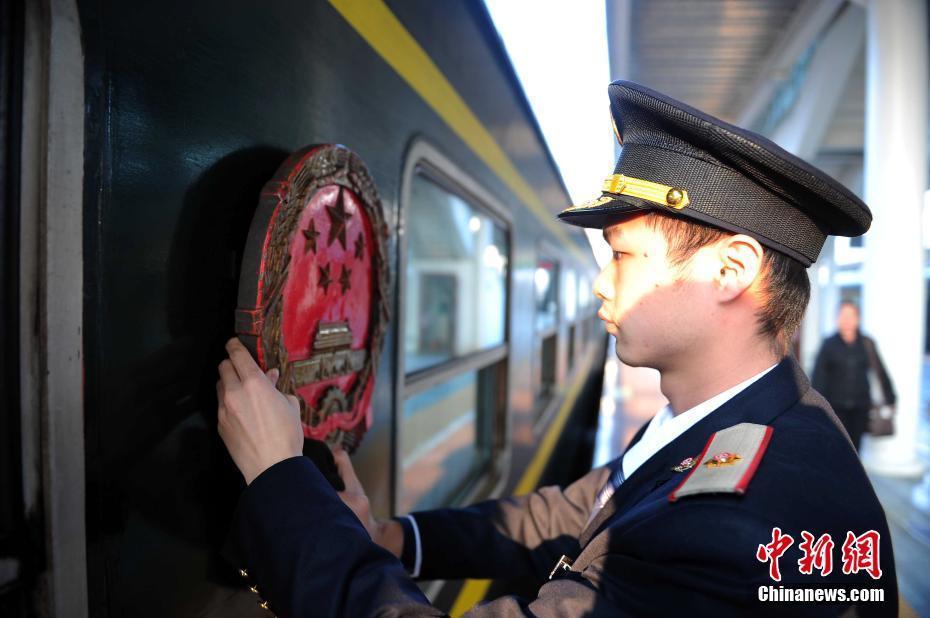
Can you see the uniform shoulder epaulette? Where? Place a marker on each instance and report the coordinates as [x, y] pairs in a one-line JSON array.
[[727, 463]]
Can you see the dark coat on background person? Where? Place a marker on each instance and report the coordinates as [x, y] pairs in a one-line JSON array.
[[841, 375], [642, 554]]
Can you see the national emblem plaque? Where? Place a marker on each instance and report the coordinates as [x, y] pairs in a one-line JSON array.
[[313, 291]]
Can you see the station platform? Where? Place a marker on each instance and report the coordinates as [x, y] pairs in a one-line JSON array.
[[631, 396]]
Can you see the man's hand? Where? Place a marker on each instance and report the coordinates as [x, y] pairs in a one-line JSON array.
[[259, 425], [388, 534]]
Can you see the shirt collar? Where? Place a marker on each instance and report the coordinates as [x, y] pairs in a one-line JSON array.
[[666, 415]]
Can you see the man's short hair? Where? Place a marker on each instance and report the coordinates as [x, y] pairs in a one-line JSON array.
[[785, 288]]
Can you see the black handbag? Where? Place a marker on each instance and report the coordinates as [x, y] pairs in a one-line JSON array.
[[881, 415], [881, 421]]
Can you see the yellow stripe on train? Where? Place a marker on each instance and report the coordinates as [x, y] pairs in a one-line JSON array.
[[375, 22]]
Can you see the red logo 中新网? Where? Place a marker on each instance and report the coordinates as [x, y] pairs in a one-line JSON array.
[[860, 553]]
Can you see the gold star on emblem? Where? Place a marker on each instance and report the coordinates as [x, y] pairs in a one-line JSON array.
[[325, 279], [359, 246], [337, 219], [344, 280], [310, 235]]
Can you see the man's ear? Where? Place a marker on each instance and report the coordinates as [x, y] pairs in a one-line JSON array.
[[740, 264]]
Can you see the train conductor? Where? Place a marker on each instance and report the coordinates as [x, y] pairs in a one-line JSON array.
[[743, 497]]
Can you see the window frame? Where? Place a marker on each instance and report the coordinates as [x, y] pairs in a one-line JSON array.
[[572, 329], [548, 250], [424, 158]]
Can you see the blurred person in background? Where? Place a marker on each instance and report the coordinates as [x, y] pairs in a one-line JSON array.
[[841, 374]]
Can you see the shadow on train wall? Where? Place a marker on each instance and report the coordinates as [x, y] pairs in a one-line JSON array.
[[165, 485]]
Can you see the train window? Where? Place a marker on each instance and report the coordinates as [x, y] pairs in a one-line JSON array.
[[571, 311], [546, 279], [547, 371], [456, 277], [571, 346], [447, 437], [571, 295], [595, 327], [585, 297], [455, 297]]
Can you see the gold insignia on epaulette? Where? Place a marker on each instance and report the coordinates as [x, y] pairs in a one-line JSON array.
[[722, 459], [727, 463]]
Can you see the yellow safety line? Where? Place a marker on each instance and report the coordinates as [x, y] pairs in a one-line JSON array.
[[474, 590], [375, 22]]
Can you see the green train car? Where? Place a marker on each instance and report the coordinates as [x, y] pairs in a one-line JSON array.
[[137, 137]]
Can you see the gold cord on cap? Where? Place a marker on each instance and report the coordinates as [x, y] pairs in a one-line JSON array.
[[664, 195], [618, 184]]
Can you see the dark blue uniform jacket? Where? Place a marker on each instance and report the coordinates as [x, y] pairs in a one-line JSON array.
[[641, 555]]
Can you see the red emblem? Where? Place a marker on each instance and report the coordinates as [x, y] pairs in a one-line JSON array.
[[686, 464], [313, 294]]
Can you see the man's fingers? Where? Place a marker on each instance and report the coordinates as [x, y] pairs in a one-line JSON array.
[[346, 471], [221, 409], [228, 376], [273, 375], [241, 359]]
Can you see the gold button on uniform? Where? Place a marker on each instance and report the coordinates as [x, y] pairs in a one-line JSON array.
[[243, 573], [253, 589]]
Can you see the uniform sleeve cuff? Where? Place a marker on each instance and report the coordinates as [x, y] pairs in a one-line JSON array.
[[412, 554]]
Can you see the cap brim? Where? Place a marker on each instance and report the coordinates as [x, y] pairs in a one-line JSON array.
[[620, 208], [608, 213]]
